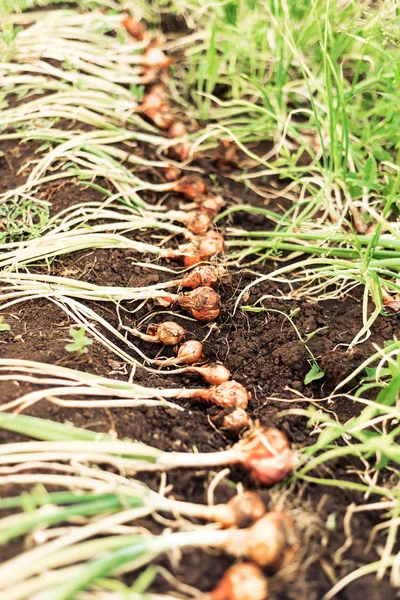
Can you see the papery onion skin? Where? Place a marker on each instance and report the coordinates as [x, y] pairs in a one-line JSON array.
[[155, 57], [203, 303], [171, 173], [244, 581]]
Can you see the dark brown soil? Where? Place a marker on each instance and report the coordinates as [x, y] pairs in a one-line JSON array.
[[262, 351]]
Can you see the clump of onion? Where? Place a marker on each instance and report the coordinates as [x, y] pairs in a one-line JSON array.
[[202, 276], [244, 581], [213, 374], [189, 353], [168, 333], [156, 107], [203, 303], [232, 421]]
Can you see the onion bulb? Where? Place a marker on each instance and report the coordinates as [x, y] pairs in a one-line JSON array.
[[182, 150], [212, 205], [155, 105], [232, 421], [202, 276], [201, 248], [171, 173], [154, 57], [135, 28], [203, 303], [198, 222], [189, 353], [191, 186], [244, 581], [168, 333], [228, 394], [241, 511], [267, 455], [214, 374]]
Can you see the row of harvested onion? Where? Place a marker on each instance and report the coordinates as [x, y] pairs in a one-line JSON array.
[[244, 581]]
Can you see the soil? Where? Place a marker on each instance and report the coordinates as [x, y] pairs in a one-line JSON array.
[[262, 351]]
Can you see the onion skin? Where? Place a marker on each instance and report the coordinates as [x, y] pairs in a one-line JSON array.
[[244, 581], [267, 455], [202, 276], [203, 303], [247, 508], [182, 150]]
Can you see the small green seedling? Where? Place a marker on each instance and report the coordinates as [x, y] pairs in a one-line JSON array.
[[4, 326], [313, 374], [80, 343]]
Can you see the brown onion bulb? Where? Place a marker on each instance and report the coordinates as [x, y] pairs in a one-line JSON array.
[[232, 422], [135, 28], [177, 129], [155, 57], [171, 173], [214, 374], [267, 455], [168, 333], [203, 303], [212, 205], [190, 352], [202, 276], [198, 222], [245, 509], [202, 248], [229, 394], [271, 541], [191, 186], [244, 581], [155, 105]]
